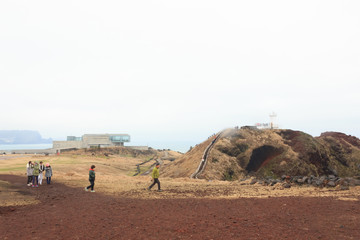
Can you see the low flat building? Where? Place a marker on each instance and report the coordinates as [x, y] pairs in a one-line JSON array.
[[91, 141]]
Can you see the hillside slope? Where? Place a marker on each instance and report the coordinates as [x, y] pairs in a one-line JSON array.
[[272, 153], [187, 164]]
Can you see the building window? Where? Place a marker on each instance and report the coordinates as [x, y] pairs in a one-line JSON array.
[[120, 138], [73, 138]]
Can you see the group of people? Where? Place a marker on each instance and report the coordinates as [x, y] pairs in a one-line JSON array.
[[35, 173]]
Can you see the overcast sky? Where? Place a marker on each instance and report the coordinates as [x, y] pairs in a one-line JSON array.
[[178, 70]]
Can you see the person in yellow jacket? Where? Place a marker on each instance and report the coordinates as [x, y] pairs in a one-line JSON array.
[[155, 175]]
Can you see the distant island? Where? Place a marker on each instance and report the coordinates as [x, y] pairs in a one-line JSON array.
[[22, 137]]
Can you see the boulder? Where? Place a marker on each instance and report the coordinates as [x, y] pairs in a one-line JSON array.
[[318, 182], [286, 185], [341, 188], [304, 179], [353, 182], [331, 177], [253, 181], [275, 181], [357, 182], [331, 184]]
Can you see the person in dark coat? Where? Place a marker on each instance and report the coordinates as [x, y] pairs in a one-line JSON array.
[[91, 179], [48, 173]]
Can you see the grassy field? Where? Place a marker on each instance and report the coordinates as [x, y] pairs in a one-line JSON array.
[[114, 176]]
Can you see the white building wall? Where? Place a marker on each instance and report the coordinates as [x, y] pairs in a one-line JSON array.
[[67, 144]]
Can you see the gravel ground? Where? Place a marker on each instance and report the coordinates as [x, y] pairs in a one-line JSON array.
[[72, 213]]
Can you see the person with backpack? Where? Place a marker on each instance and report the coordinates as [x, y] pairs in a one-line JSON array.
[[36, 172], [91, 179], [48, 173], [41, 170], [155, 175]]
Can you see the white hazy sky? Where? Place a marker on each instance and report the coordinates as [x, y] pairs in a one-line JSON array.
[[178, 70]]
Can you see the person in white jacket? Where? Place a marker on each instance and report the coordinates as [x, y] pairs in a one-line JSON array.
[[29, 172], [41, 170]]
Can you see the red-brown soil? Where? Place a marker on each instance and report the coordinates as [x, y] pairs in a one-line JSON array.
[[72, 213], [345, 139]]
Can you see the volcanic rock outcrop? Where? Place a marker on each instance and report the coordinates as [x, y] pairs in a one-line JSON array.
[[273, 153]]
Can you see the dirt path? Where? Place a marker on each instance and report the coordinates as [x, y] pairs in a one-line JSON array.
[[72, 213]]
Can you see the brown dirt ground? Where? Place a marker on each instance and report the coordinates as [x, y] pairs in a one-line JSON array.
[[64, 212]]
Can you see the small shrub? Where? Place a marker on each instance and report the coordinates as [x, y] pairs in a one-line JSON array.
[[232, 152], [229, 175], [242, 147]]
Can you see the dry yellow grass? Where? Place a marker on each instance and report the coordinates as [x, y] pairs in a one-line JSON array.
[[114, 177]]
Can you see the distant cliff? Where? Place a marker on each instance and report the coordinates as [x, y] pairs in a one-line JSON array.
[[22, 137]]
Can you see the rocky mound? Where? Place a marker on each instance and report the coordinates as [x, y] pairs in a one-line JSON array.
[[272, 153]]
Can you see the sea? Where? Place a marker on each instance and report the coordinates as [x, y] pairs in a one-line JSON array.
[[9, 147]]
